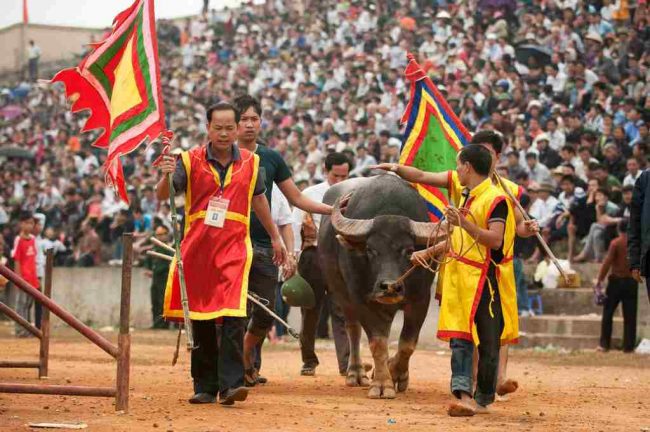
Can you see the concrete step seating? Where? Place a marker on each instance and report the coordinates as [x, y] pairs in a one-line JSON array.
[[570, 319]]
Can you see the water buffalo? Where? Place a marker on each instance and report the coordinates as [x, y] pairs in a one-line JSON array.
[[363, 253]]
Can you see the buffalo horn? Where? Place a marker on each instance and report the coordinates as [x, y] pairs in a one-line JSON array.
[[352, 229], [423, 231]]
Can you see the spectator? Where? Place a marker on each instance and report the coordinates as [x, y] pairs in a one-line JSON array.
[[537, 171], [621, 288], [633, 172], [33, 57], [595, 242], [363, 161], [24, 255], [87, 253], [546, 155]]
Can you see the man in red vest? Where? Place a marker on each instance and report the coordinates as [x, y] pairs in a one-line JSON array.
[[221, 186]]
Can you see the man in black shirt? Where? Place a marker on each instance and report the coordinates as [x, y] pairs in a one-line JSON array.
[[264, 274]]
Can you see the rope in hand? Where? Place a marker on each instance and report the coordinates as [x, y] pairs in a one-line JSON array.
[[432, 263]]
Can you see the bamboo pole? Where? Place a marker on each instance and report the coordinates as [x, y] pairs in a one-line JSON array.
[[547, 249]]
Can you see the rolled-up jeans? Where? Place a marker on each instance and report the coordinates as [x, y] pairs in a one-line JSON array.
[[489, 325]]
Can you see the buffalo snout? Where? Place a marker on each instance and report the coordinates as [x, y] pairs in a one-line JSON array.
[[388, 292]]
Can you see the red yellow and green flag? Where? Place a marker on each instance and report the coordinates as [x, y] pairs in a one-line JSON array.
[[433, 135], [119, 83]]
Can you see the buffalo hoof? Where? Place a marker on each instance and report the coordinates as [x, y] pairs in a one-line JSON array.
[[400, 378], [356, 377], [381, 391]]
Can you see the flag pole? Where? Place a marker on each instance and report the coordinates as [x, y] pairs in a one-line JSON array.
[[166, 139]]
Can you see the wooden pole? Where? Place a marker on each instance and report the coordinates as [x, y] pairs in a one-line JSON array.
[[57, 390], [20, 320], [179, 265], [124, 338], [20, 364], [44, 352], [57, 310], [547, 249]]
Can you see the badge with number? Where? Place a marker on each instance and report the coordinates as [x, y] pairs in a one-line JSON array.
[[216, 214]]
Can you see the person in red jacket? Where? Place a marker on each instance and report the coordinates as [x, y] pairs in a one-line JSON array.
[[24, 255]]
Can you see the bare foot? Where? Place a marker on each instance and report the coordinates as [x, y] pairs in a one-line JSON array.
[[461, 408], [507, 387], [481, 410]]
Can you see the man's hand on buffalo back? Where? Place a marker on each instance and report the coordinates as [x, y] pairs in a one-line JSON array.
[[384, 167]]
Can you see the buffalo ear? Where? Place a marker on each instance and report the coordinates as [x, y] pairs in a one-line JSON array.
[[350, 244]]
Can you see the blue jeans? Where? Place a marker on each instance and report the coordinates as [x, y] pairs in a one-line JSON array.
[[522, 286]]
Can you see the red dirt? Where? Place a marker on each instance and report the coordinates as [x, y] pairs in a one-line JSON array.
[[568, 392]]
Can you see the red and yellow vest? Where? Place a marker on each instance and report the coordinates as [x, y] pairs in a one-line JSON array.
[[216, 260], [461, 281]]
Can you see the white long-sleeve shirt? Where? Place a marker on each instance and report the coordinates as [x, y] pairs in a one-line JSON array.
[[315, 193]]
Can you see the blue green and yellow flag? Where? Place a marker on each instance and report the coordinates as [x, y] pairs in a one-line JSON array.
[[433, 135]]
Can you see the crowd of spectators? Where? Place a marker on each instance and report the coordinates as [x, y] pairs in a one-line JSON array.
[[564, 81]]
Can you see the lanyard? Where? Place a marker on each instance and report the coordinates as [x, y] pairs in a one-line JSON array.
[[217, 178]]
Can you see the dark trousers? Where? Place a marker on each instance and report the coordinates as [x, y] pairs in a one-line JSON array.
[[157, 300], [218, 361], [309, 268], [262, 281], [282, 309], [489, 327], [620, 290]]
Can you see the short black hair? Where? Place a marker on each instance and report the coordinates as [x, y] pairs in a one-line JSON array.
[[603, 191], [244, 102], [25, 216], [222, 106], [569, 148], [478, 157], [568, 178], [531, 155], [628, 188], [489, 137], [336, 158]]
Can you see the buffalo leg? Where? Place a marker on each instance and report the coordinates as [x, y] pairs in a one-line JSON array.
[[356, 375], [381, 386], [414, 315]]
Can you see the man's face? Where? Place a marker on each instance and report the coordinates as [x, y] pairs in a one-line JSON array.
[[531, 162], [632, 166], [600, 174], [462, 168], [542, 144], [338, 173], [249, 125], [567, 187], [222, 129], [627, 197], [601, 198]]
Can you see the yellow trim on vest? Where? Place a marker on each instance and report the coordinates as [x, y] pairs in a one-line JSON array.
[[237, 217], [241, 311], [217, 179], [185, 157]]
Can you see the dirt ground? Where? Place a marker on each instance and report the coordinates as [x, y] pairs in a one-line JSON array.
[[559, 391]]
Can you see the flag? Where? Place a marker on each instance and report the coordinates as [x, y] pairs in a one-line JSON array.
[[25, 14], [119, 83], [433, 135]]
